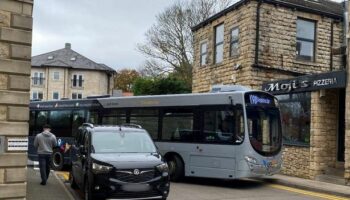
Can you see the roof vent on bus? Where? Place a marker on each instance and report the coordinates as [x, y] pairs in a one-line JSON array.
[[229, 88]]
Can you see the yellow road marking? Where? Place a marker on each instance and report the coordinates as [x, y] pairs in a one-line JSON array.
[[64, 174], [309, 193]]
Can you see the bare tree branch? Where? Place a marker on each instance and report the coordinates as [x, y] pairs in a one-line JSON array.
[[169, 42]]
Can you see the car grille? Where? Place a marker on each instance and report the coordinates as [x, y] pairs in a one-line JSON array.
[[128, 176], [128, 195]]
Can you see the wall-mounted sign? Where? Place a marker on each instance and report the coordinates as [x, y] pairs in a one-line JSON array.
[[307, 83], [17, 144], [2, 144]]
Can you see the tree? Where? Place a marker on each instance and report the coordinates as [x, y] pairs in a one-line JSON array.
[[157, 86], [169, 42], [124, 79]]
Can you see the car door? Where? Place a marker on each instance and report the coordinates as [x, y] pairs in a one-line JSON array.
[[80, 159]]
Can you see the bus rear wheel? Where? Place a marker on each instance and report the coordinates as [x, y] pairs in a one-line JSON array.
[[57, 160], [176, 168]]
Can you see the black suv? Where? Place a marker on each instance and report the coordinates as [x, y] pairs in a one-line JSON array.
[[119, 162]]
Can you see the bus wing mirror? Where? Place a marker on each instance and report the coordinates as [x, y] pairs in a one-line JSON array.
[[82, 149]]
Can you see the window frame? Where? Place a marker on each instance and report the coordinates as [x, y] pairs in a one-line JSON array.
[[301, 57], [54, 76], [58, 95], [234, 41], [216, 43], [38, 79], [37, 93], [77, 82], [77, 94], [203, 53]]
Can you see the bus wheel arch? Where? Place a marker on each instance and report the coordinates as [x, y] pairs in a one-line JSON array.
[[57, 160], [176, 166]]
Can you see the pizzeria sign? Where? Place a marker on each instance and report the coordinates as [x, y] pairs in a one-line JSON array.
[[306, 83]]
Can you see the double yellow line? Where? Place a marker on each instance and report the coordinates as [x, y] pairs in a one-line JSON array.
[[309, 193]]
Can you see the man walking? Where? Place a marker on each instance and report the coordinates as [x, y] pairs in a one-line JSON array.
[[44, 143]]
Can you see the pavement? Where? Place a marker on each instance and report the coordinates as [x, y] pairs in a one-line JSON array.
[[310, 185], [53, 190]]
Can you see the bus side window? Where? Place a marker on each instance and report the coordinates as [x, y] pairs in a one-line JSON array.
[[177, 125], [147, 118], [112, 117], [77, 120], [60, 122], [32, 123], [41, 120]]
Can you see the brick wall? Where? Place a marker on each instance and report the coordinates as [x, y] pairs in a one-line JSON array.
[[15, 54]]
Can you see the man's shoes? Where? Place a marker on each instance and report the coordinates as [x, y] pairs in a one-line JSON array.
[[42, 183]]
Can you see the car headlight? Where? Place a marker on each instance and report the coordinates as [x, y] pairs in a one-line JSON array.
[[251, 160], [99, 169], [163, 167]]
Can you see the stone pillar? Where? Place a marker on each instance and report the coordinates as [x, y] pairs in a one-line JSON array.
[[15, 55], [323, 134], [347, 116]]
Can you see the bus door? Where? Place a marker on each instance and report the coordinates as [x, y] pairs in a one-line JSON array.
[[222, 129]]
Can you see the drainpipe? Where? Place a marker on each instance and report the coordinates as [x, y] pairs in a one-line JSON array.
[[345, 31], [257, 28], [332, 38]]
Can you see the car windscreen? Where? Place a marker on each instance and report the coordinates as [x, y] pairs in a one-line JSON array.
[[122, 142]]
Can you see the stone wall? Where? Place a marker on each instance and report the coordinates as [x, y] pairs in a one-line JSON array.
[[277, 47], [224, 73], [15, 54], [324, 131], [296, 161]]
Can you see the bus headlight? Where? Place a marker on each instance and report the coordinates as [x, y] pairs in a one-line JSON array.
[[163, 168], [100, 169], [251, 160]]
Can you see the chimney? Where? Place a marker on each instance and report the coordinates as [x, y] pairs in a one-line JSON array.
[[68, 46]]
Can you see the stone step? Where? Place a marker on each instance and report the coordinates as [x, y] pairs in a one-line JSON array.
[[330, 179], [335, 172]]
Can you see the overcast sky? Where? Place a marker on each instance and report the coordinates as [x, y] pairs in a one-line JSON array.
[[105, 31]]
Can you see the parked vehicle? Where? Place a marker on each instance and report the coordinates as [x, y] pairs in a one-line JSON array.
[[118, 162]]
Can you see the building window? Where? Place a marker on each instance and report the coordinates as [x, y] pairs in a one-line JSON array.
[[37, 95], [204, 51], [77, 95], [77, 80], [56, 76], [38, 78], [56, 95], [234, 45], [306, 32], [296, 116], [219, 44]]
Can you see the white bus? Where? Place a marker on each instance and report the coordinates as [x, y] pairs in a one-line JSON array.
[[232, 133]]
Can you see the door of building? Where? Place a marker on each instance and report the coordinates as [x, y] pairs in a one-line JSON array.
[[341, 125]]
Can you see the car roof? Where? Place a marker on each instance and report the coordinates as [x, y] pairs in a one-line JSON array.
[[117, 129]]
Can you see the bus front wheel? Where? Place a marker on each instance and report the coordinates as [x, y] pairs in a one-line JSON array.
[[57, 160], [176, 168]]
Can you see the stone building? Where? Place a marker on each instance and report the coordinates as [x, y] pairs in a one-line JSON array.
[[295, 50], [15, 54], [65, 74]]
